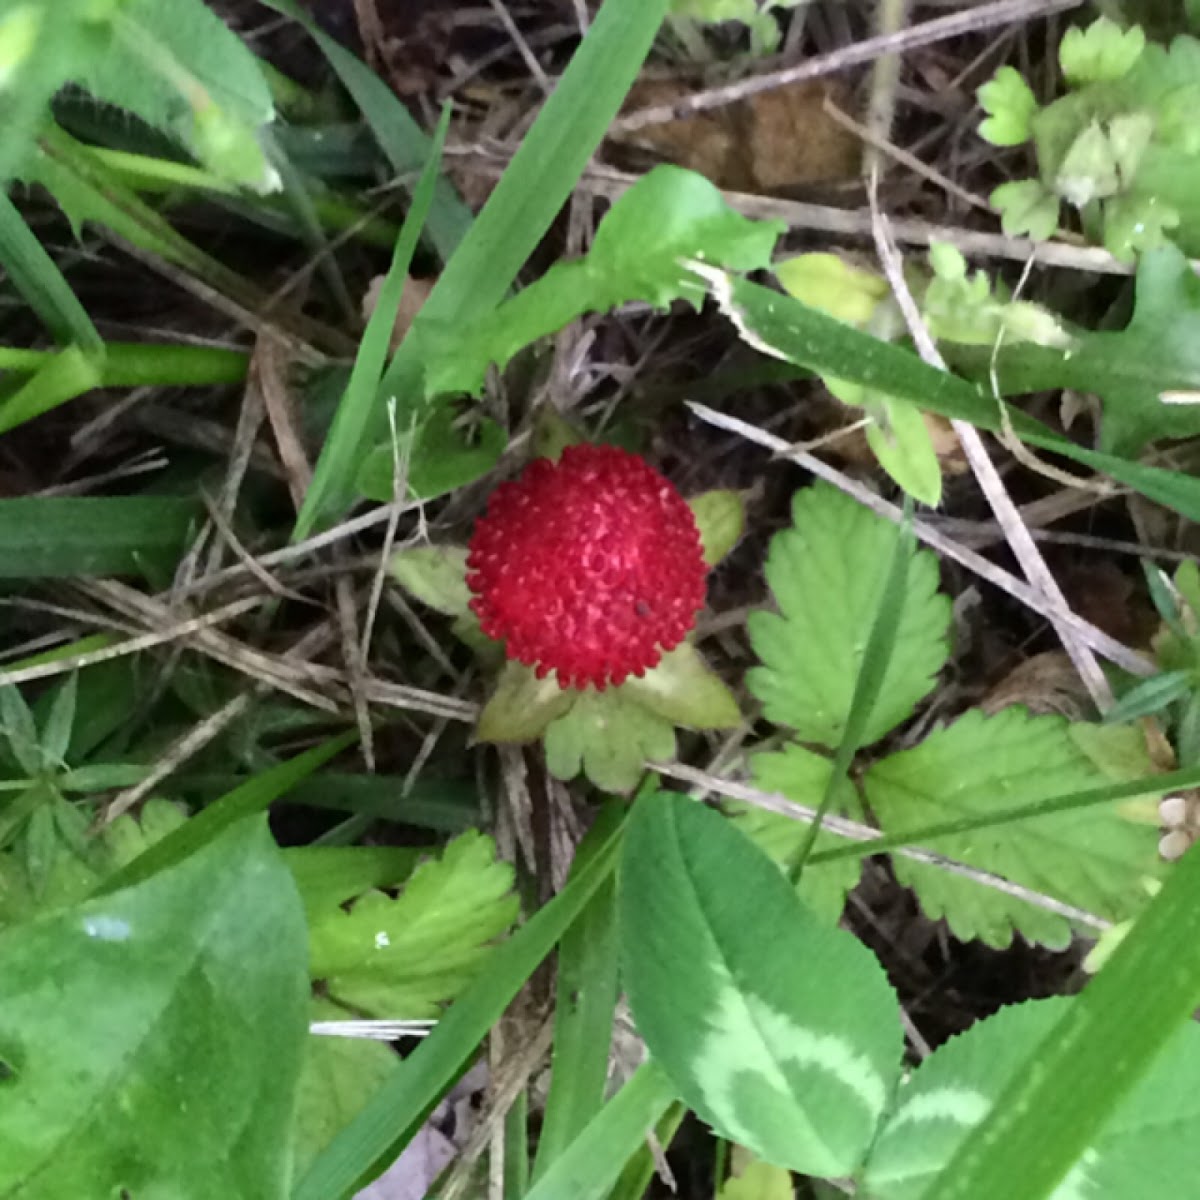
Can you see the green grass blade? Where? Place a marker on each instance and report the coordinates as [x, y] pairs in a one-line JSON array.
[[142, 364], [40, 282], [1104, 1045], [61, 377], [340, 456], [594, 1161], [396, 1111], [60, 537], [583, 1013], [399, 136], [871, 673], [1150, 785], [251, 797], [813, 339]]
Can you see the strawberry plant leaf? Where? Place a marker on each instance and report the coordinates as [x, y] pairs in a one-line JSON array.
[[151, 1039], [1100, 53], [826, 574], [435, 575], [404, 956], [608, 736], [730, 980], [639, 253], [683, 690], [802, 776], [1094, 859], [183, 71], [338, 1078], [1147, 1148]]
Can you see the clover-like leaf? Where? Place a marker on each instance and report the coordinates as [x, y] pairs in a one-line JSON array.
[[1010, 104], [1143, 1150], [826, 574], [403, 956], [778, 1029], [1094, 859], [1100, 53]]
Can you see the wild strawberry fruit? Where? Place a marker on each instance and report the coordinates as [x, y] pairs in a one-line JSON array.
[[589, 567]]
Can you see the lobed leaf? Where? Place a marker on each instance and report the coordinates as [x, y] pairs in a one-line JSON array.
[[826, 574]]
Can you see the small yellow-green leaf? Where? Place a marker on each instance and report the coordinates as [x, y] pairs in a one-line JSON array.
[[829, 283], [683, 689], [721, 517], [904, 448], [435, 575], [522, 706]]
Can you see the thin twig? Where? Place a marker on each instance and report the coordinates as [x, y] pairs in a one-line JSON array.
[[1100, 641], [971, 20]]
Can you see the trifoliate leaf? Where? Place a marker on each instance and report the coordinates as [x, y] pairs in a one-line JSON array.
[[802, 776], [639, 253], [1026, 206], [1148, 1147], [1010, 103], [435, 575], [1100, 53], [610, 737], [403, 956], [338, 1076], [721, 518], [826, 574], [683, 689], [778, 1030], [1092, 858]]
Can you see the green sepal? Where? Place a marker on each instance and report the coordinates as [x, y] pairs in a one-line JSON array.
[[683, 690], [609, 737], [721, 518], [434, 575], [522, 706], [552, 434]]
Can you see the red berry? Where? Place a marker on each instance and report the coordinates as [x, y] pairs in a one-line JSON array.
[[588, 567]]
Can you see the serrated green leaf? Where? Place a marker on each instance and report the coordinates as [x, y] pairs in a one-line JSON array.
[[183, 71], [435, 575], [685, 691], [337, 1080], [1145, 1150], [522, 706], [17, 725], [1095, 860], [826, 574], [802, 776], [1010, 103], [669, 216], [610, 737], [404, 956], [721, 519], [732, 984], [152, 1038], [1100, 53], [56, 731]]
